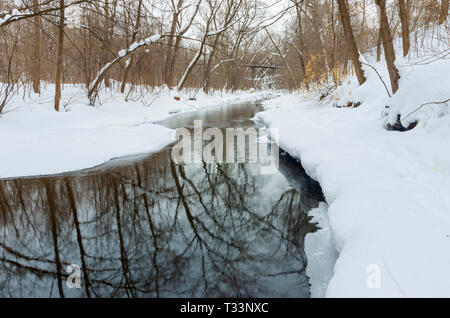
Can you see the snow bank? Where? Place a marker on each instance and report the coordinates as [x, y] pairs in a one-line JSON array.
[[387, 192], [36, 140], [423, 79]]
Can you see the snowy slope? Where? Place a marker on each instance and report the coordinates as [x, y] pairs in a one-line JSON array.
[[36, 140], [388, 193]]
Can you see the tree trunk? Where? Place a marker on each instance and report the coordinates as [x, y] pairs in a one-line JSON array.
[[207, 70], [231, 11], [174, 51], [133, 39], [169, 52], [231, 69], [388, 45], [444, 11], [363, 22], [379, 40], [302, 49], [93, 87], [191, 66], [198, 55], [315, 22], [404, 18], [174, 57], [37, 50], [333, 40], [59, 61], [107, 30], [351, 43]]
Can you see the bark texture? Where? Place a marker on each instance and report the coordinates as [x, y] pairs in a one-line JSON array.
[[404, 18], [351, 43], [444, 11], [388, 45], [37, 50], [59, 61]]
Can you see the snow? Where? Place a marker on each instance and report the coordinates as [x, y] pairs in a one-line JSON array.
[[36, 140], [14, 15], [122, 53], [387, 192], [220, 30]]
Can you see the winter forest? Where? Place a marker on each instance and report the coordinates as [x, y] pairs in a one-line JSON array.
[[141, 45], [354, 94]]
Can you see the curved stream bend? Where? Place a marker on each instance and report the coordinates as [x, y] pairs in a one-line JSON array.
[[148, 228]]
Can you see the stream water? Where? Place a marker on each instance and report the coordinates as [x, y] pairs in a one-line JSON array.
[[145, 227]]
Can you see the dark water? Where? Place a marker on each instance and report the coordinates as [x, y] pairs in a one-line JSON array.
[[144, 227]]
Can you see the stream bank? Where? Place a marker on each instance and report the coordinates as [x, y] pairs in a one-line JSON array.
[[387, 194], [145, 227]]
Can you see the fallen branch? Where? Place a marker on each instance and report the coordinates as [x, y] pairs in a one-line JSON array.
[[430, 103], [387, 90], [93, 88]]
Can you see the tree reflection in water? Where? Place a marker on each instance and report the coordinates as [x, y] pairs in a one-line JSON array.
[[153, 229]]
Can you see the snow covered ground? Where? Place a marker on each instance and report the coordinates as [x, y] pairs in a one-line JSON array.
[[36, 140], [388, 193]]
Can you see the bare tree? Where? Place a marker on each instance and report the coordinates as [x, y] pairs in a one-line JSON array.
[[107, 22], [210, 43], [315, 22], [37, 50], [213, 8], [232, 7], [169, 55], [444, 11], [133, 39], [59, 60], [302, 48], [94, 86], [283, 57], [351, 43], [404, 18], [388, 45], [9, 84], [172, 54]]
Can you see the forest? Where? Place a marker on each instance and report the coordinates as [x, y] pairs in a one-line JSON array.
[[205, 44]]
